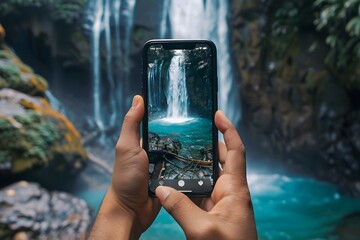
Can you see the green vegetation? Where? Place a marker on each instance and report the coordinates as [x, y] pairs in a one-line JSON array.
[[68, 10], [26, 137], [337, 22], [16, 75], [340, 21]]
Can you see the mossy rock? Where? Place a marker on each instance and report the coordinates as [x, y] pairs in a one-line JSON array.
[[36, 140], [17, 75]]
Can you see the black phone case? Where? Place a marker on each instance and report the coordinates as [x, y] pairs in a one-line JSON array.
[[183, 44]]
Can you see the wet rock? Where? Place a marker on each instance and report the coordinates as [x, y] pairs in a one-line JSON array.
[[37, 142], [207, 153], [349, 227], [164, 144], [28, 211]]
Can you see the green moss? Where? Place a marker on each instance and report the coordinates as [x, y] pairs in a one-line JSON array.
[[33, 140], [16, 75]]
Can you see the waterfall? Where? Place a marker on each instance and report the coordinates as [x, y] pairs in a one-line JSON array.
[[176, 93], [199, 19], [110, 24], [155, 88]]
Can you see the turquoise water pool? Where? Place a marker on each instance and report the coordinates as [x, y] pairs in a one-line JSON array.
[[193, 133], [285, 208]]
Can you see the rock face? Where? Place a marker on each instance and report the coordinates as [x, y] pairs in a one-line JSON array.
[[36, 142], [294, 106], [28, 211]]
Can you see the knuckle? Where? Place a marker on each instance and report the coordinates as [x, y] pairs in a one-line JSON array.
[[130, 117], [123, 148], [242, 148]]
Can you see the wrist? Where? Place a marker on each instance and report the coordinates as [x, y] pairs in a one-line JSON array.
[[115, 221]]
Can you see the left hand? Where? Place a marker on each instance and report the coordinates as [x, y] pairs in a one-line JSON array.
[[127, 210]]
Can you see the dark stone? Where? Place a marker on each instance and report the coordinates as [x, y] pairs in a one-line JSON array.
[[207, 153], [164, 144], [30, 211]]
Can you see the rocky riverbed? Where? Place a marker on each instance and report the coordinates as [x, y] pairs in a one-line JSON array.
[[28, 211]]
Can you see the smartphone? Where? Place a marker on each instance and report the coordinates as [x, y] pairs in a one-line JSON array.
[[179, 133]]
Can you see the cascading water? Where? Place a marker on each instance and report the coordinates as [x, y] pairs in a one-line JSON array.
[[110, 23], [154, 78], [199, 19], [176, 92]]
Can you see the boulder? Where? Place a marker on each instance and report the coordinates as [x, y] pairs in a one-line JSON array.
[[16, 75], [36, 141], [28, 211], [165, 144], [207, 153]]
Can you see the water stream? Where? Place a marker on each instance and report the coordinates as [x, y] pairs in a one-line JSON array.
[[110, 24], [154, 78], [176, 93], [199, 19]]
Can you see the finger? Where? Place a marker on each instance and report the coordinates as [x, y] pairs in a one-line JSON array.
[[130, 131], [235, 157], [222, 152], [185, 212]]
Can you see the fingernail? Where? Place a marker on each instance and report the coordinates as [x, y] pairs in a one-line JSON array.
[[135, 102], [162, 193]]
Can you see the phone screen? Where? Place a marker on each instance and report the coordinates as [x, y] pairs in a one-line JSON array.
[[181, 100]]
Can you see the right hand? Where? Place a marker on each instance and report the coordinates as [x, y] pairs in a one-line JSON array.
[[228, 214]]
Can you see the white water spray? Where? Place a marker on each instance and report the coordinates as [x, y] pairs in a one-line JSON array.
[[199, 19]]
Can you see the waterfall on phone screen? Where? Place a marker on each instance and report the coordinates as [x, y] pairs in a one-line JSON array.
[[110, 23], [176, 93], [154, 78]]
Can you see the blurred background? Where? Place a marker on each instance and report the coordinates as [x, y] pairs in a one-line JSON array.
[[289, 79]]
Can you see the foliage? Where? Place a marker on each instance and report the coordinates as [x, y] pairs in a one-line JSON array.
[[340, 20], [288, 17], [67, 10], [335, 21]]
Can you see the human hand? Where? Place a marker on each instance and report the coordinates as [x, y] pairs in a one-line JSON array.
[[228, 213], [127, 210]]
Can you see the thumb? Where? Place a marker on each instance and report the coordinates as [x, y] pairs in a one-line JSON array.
[[183, 210], [130, 131]]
